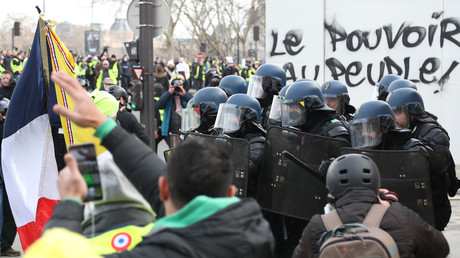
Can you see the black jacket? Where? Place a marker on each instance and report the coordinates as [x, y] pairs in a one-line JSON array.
[[7, 91], [324, 123], [413, 236], [428, 131], [235, 231], [129, 122]]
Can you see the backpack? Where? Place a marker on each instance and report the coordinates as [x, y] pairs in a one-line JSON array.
[[356, 239]]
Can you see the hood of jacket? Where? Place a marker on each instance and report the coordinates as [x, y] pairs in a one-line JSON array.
[[237, 229]]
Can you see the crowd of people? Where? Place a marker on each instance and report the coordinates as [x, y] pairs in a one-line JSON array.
[[189, 206]]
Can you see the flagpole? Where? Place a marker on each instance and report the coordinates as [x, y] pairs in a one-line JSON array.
[[44, 55]]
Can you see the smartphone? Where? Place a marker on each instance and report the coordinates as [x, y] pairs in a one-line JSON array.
[[85, 154]]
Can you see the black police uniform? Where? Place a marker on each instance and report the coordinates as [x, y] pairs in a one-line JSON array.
[[430, 132]]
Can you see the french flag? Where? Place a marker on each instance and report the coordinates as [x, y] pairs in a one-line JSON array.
[[28, 158]]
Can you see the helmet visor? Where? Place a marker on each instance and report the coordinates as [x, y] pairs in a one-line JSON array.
[[293, 113], [229, 118], [190, 117], [365, 133], [275, 111], [402, 116], [255, 88]]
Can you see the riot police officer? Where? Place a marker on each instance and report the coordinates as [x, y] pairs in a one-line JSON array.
[[268, 81], [233, 84], [201, 111], [304, 108], [401, 83], [240, 117], [383, 84], [374, 127], [336, 96], [409, 111], [274, 119]]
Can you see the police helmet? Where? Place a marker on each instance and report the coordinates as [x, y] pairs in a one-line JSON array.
[[377, 109], [117, 92], [238, 109], [201, 108], [268, 79], [307, 80], [401, 83], [273, 71], [233, 84], [406, 102], [370, 122], [4, 103], [275, 110], [384, 83], [334, 89], [352, 172], [283, 91], [387, 80], [300, 97], [335, 94], [406, 99]]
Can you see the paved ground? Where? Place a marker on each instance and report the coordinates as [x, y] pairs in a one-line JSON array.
[[452, 232]]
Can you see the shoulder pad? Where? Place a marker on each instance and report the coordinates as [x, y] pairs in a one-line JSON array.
[[415, 145], [335, 128], [435, 133]]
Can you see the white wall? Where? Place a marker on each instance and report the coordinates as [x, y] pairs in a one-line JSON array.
[[410, 49]]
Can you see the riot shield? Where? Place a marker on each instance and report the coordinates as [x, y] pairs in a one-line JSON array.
[[239, 154], [288, 187], [406, 173]]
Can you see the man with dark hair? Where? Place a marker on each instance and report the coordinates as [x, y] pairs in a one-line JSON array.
[[8, 84], [203, 218]]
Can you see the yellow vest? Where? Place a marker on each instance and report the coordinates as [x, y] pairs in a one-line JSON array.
[[16, 68], [197, 74], [161, 111], [119, 239], [99, 79], [115, 70]]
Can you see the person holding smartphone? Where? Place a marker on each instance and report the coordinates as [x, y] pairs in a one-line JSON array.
[[203, 218]]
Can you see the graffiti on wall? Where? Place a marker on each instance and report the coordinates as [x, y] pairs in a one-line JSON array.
[[406, 35]]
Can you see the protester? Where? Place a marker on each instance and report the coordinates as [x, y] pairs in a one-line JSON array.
[[353, 182], [196, 192]]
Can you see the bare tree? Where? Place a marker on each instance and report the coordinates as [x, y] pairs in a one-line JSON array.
[[27, 29], [222, 24], [176, 7]]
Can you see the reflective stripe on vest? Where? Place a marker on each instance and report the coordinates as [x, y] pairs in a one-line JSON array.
[[115, 69], [91, 66], [198, 72], [119, 239], [16, 68], [99, 79], [161, 111]]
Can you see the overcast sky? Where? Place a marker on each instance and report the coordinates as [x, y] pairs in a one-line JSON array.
[[73, 11]]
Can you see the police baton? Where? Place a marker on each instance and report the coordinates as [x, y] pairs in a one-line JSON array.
[[302, 165]]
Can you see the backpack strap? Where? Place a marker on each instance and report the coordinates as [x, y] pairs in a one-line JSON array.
[[331, 220], [374, 215]]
